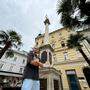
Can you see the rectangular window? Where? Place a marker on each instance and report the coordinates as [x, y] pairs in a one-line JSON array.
[[23, 61], [56, 85], [65, 56], [43, 84], [1, 65], [10, 69], [15, 58], [72, 80], [21, 70]]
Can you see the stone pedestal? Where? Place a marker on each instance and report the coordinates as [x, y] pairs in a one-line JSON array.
[[52, 77]]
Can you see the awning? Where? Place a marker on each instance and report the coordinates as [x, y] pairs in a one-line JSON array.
[[4, 73]]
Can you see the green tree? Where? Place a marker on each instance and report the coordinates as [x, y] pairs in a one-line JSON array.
[[74, 42], [9, 39], [68, 8]]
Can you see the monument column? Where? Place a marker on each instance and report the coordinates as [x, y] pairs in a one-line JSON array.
[[46, 36]]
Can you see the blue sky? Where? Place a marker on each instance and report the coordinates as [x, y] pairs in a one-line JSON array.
[[27, 16]]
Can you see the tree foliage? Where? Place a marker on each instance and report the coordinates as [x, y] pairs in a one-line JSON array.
[[74, 12], [9, 39], [74, 42]]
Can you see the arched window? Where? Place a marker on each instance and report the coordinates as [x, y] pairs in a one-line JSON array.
[[50, 58], [44, 57]]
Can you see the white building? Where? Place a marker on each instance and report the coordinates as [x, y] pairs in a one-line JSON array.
[[11, 69]]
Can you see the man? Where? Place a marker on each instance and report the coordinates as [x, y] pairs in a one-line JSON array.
[[31, 72]]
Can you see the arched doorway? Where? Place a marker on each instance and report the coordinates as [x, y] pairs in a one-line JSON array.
[[86, 72]]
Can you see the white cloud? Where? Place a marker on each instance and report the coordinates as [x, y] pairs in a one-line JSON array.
[[27, 16]]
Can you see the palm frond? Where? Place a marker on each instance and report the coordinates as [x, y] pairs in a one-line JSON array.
[[67, 8], [4, 35], [68, 21], [64, 6], [2, 42], [84, 8], [87, 21], [15, 37], [20, 43], [74, 40], [65, 19], [75, 3], [9, 39], [14, 45], [9, 53]]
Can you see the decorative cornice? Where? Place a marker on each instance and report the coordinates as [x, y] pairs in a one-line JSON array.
[[42, 35], [49, 70], [70, 61], [46, 46], [60, 49]]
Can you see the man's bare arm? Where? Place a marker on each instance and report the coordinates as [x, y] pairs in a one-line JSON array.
[[40, 64], [34, 62]]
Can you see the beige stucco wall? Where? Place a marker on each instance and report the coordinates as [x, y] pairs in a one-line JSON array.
[[75, 60]]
